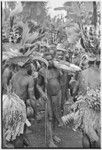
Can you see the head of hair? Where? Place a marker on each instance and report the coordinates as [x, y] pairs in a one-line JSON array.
[[90, 63], [27, 67]]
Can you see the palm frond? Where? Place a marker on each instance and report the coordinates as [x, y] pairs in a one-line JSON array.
[[18, 9], [25, 33], [67, 118], [85, 117], [31, 37]]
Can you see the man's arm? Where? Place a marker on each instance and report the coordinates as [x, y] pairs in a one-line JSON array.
[[59, 75], [7, 74], [33, 101], [31, 88], [42, 93]]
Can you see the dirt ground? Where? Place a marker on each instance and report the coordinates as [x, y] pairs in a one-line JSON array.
[[69, 138]]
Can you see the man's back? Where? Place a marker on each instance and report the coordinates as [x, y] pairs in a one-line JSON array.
[[19, 84], [92, 77], [53, 85], [6, 76], [89, 77]]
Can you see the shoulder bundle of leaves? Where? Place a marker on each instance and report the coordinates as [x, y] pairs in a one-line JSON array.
[[86, 114], [14, 116]]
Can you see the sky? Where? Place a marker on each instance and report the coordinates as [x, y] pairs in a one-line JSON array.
[[53, 4], [56, 3]]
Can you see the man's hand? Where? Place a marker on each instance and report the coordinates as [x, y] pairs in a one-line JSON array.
[[44, 96], [42, 93], [28, 102]]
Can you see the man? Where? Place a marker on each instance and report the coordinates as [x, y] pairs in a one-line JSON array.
[[52, 96], [76, 57], [64, 81], [85, 77], [23, 86], [91, 78], [73, 84], [88, 78]]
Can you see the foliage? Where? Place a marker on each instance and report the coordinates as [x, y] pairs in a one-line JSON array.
[[86, 114], [35, 11], [79, 14], [20, 12], [36, 27], [22, 36], [55, 30]]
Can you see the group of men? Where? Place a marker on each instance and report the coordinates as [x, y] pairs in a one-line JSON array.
[[51, 83]]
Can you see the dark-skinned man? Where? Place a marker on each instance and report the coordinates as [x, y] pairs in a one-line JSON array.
[[52, 96], [23, 86], [88, 78], [60, 56]]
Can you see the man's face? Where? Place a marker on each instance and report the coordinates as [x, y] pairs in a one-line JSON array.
[[28, 68], [49, 59], [59, 55], [98, 64], [50, 62]]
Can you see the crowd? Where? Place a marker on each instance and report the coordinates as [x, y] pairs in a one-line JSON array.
[[39, 81]]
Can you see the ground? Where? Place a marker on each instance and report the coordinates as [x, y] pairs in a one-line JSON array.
[[69, 138]]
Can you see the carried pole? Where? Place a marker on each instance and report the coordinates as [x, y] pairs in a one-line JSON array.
[[46, 108]]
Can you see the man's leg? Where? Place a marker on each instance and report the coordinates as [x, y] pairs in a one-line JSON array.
[[49, 123], [85, 141], [18, 143], [62, 97], [50, 134], [26, 142], [34, 106], [56, 100]]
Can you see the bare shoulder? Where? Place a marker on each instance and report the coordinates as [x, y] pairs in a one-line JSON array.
[[30, 79], [6, 71]]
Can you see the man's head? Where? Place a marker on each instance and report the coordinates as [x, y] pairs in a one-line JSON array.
[[85, 28], [98, 64], [24, 63], [61, 52], [98, 61], [91, 60], [27, 67], [48, 56], [67, 57], [13, 67]]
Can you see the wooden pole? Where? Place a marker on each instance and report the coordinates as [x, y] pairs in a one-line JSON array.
[[46, 108]]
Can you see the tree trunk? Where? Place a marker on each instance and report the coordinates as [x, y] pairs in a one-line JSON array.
[[94, 20]]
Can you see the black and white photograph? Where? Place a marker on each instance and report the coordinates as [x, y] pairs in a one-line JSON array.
[[50, 74]]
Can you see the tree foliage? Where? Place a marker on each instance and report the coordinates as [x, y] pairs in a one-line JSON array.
[[34, 24], [35, 11], [79, 15]]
